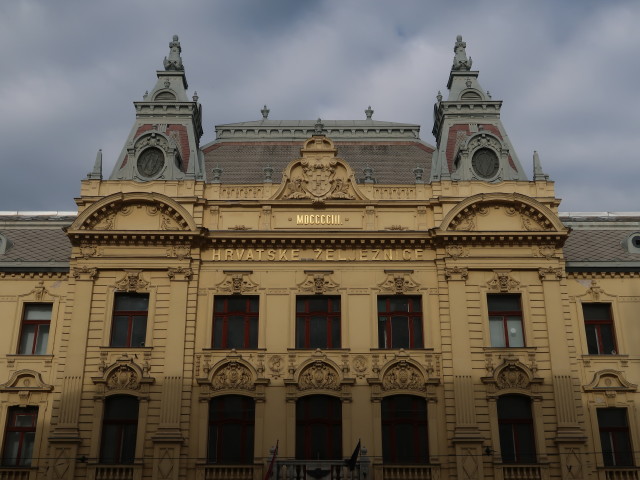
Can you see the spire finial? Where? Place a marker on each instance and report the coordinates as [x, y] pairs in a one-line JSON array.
[[439, 96], [96, 173], [319, 127], [460, 60], [369, 113], [538, 174], [174, 61], [265, 112]]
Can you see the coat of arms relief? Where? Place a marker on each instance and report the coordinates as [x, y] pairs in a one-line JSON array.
[[319, 175]]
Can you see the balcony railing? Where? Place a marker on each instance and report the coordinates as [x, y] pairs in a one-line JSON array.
[[523, 472], [228, 472], [622, 473], [411, 472], [320, 470], [15, 473], [115, 472]]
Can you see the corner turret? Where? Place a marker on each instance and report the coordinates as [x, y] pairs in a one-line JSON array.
[[471, 141], [164, 143]]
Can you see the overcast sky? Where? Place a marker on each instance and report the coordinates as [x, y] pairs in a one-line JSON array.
[[567, 72]]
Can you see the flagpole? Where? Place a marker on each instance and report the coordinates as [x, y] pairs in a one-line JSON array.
[[269, 472]]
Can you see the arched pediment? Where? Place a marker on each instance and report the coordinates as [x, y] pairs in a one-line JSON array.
[[318, 375], [501, 212], [609, 380], [231, 375], [124, 376], [513, 376], [402, 376], [318, 175], [135, 211], [25, 380]]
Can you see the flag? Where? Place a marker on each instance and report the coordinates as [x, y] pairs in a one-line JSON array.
[[273, 460], [351, 463]]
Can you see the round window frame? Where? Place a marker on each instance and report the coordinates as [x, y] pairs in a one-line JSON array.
[[157, 171], [475, 170]]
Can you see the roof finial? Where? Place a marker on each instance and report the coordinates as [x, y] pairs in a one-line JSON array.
[[369, 113], [460, 60], [538, 174], [268, 174], [174, 61], [195, 97], [439, 96], [265, 112], [368, 174], [319, 127], [96, 173]]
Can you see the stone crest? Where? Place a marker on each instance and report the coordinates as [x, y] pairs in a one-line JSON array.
[[512, 376], [123, 377], [318, 376], [403, 376], [234, 376]]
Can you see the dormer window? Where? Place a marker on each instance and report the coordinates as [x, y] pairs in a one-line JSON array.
[[4, 244], [485, 163]]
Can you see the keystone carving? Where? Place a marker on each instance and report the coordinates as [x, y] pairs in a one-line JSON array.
[[132, 281], [237, 283], [398, 282], [318, 282], [503, 282], [318, 376], [123, 378]]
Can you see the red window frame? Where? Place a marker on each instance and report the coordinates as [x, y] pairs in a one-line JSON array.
[[615, 437], [318, 428], [517, 439], [505, 317], [305, 315], [225, 317], [133, 319], [404, 430], [601, 335], [41, 329], [119, 430], [19, 438], [231, 430], [386, 315]]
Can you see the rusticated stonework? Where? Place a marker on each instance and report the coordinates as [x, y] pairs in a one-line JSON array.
[[403, 376], [318, 376], [233, 376]]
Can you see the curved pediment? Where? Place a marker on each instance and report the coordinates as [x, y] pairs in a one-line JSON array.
[[506, 212], [318, 175], [135, 211], [25, 380]]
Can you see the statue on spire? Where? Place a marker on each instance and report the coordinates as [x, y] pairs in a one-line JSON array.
[[174, 61], [460, 60]]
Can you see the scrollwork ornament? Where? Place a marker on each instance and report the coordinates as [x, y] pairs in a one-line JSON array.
[[132, 282], [550, 273], [456, 273], [503, 282], [233, 376], [318, 283], [318, 376], [85, 273], [403, 376]]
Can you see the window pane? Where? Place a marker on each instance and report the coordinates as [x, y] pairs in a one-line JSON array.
[[514, 329], [110, 443], [139, 331], [318, 332], [27, 448], [235, 332], [606, 336], [592, 339], [37, 311], [129, 302], [596, 311], [496, 327], [120, 332], [43, 338], [417, 333], [231, 431], [27, 338], [503, 302], [399, 332], [253, 333]]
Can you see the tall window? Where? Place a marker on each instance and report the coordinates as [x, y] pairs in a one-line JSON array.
[[318, 428], [404, 430], [119, 429], [505, 320], [400, 321], [34, 335], [19, 436], [231, 426], [130, 311], [517, 442], [598, 323], [615, 439], [235, 321], [318, 321]]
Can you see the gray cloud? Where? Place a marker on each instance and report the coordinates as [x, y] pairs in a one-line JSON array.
[[565, 70]]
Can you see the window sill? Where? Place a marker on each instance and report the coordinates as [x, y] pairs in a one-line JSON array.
[[592, 356], [121, 349], [415, 349], [509, 349], [14, 356]]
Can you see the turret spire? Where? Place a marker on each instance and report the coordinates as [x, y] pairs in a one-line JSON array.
[[460, 60], [538, 174], [174, 61]]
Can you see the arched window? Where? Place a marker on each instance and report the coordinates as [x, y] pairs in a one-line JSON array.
[[231, 427], [404, 430], [517, 442], [318, 428], [119, 430]]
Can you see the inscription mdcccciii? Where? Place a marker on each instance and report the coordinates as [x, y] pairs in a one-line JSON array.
[[319, 219]]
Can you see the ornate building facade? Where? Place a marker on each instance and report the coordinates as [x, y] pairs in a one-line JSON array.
[[323, 299]]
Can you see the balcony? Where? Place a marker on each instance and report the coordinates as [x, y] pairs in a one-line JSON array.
[[8, 473], [620, 473], [411, 472], [229, 472], [320, 470], [521, 472]]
